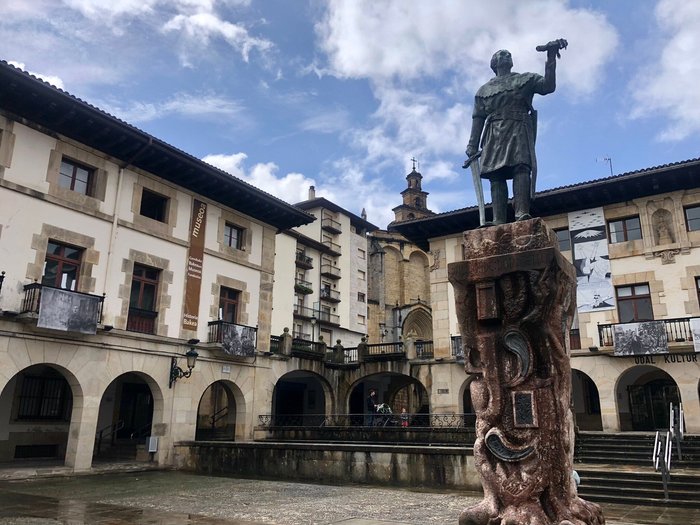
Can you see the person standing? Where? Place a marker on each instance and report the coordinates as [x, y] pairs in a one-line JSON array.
[[504, 123], [371, 408]]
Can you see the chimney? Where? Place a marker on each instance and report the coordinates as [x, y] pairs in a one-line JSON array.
[[312, 192]]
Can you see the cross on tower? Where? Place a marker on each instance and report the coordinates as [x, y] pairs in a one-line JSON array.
[[414, 163]]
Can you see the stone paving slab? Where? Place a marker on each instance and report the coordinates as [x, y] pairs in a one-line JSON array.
[[177, 498]]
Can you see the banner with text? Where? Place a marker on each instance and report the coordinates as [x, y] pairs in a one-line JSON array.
[[589, 245], [195, 257]]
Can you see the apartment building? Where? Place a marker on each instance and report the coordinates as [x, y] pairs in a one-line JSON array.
[[137, 285]]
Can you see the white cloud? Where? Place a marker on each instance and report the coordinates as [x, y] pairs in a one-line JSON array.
[[327, 122], [668, 85], [51, 79], [292, 187], [411, 39], [196, 107]]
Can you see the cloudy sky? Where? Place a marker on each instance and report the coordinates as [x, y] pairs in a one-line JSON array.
[[342, 93]]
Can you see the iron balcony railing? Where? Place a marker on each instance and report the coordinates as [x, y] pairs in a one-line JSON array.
[[456, 346], [424, 350], [328, 270], [429, 421], [31, 301], [303, 287], [304, 261], [327, 317], [304, 311], [330, 295], [330, 224], [333, 246], [235, 339], [275, 344], [677, 330], [301, 335], [308, 349]]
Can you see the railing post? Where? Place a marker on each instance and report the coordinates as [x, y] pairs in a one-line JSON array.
[[362, 350], [286, 342]]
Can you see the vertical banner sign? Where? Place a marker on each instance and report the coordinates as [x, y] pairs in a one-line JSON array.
[[589, 244], [195, 256]]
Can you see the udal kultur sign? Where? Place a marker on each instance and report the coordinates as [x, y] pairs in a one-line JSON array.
[[195, 256]]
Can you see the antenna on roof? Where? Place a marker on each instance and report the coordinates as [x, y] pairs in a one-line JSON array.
[[607, 160]]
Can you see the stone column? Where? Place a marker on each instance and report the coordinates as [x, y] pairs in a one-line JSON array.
[[81, 434], [515, 299]]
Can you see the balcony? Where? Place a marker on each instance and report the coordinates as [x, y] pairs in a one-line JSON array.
[[384, 352], [330, 271], [332, 296], [142, 321], [308, 349], [332, 246], [424, 350], [328, 318], [64, 310], [677, 331], [304, 312], [235, 339], [303, 287], [301, 335], [330, 225], [304, 261]]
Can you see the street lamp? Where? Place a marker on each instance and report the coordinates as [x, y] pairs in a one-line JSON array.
[[176, 372], [313, 331]]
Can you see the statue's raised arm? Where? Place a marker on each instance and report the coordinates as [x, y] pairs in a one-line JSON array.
[[504, 124]]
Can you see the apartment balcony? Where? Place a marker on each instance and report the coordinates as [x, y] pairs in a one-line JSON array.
[[301, 335], [330, 271], [332, 246], [304, 312], [330, 225], [328, 318], [304, 261], [142, 321], [332, 296], [235, 339], [302, 287], [63, 310], [676, 331]]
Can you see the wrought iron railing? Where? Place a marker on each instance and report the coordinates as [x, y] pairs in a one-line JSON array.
[[305, 348], [327, 317], [31, 301], [424, 350], [430, 421], [304, 311], [109, 432], [275, 344], [329, 270], [677, 330], [330, 295], [456, 346], [302, 286]]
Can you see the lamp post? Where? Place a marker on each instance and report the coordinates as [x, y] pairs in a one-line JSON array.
[[176, 372], [313, 330]]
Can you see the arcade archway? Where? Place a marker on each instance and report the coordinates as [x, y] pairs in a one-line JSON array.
[[36, 409], [585, 402], [398, 391], [300, 398], [217, 413], [644, 394]]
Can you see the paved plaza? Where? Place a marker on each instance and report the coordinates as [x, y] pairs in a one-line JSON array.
[[177, 498]]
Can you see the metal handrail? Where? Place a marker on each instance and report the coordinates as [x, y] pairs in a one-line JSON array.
[[219, 414], [32, 298], [425, 421], [677, 330], [115, 427]]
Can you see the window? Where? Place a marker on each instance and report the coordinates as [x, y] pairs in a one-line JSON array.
[[634, 303], [142, 301], [228, 304], [43, 397], [75, 177], [233, 236], [61, 266], [154, 205], [360, 319], [625, 229], [564, 239], [361, 275], [361, 297], [692, 218], [361, 253]]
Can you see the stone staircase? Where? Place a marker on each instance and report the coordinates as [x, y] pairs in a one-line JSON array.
[[617, 468]]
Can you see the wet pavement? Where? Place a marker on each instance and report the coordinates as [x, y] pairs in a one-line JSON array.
[[177, 498]]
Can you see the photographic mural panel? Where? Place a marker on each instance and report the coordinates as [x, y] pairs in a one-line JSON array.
[[68, 311], [238, 340], [641, 338], [695, 329], [589, 245]]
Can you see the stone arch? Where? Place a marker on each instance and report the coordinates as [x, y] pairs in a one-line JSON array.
[[585, 401], [395, 389], [418, 324], [46, 426], [644, 393], [301, 397], [221, 412]]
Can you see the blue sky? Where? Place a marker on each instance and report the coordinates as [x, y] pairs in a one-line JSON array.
[[341, 94]]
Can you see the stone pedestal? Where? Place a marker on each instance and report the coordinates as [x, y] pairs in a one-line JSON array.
[[515, 299]]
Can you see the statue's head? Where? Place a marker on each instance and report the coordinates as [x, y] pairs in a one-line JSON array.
[[501, 56]]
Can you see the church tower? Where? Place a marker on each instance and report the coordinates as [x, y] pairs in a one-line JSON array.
[[415, 200]]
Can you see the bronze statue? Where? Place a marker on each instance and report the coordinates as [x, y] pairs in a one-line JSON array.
[[505, 124]]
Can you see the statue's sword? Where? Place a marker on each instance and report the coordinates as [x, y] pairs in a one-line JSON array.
[[473, 163]]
